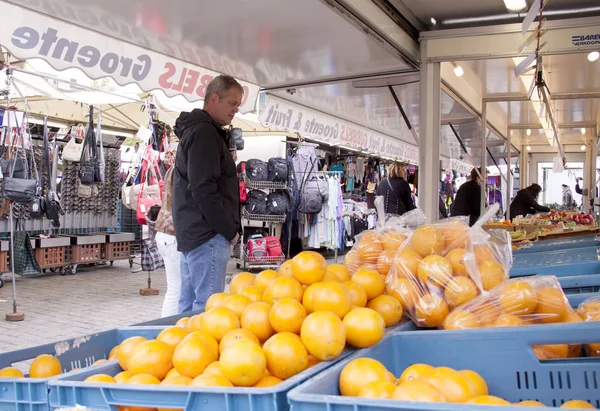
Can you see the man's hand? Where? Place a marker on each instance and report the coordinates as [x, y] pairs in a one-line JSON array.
[[234, 156], [235, 239]]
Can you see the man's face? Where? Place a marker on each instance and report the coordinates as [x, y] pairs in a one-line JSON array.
[[223, 109]]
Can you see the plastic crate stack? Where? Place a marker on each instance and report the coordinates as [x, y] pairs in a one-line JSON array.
[[129, 224]]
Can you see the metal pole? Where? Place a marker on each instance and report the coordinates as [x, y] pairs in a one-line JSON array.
[[508, 174], [483, 155], [404, 116]]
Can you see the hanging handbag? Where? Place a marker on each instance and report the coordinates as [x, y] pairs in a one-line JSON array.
[[8, 165], [87, 164], [147, 190], [19, 190], [37, 208], [143, 205], [73, 150]]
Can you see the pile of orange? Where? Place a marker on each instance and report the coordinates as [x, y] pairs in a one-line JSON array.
[[43, 366], [369, 378], [430, 274]]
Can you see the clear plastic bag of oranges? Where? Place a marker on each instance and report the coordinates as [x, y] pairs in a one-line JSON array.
[[493, 256], [435, 271], [589, 310], [376, 249]]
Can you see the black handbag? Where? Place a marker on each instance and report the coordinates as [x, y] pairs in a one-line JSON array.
[[19, 164], [51, 205], [19, 190], [88, 165]]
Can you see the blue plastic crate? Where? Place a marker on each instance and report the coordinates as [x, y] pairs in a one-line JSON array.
[[580, 284], [24, 394], [502, 356], [557, 245], [70, 390], [577, 261]]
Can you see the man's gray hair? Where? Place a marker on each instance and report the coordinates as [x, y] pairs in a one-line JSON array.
[[221, 85]]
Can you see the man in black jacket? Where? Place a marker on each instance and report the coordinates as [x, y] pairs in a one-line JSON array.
[[206, 211], [468, 198]]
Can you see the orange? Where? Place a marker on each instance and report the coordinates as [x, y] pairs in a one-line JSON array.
[[487, 400], [589, 311], [452, 385], [492, 274], [10, 372], [285, 270], [392, 240], [243, 363], [456, 235], [323, 335], [235, 335], [406, 263], [286, 355], [333, 297], [509, 320], [102, 361], [126, 349], [487, 313], [340, 271], [414, 372], [388, 307], [45, 366], [123, 377], [418, 390], [254, 293], [371, 281], [578, 404], [358, 295], [215, 301], [100, 378], [518, 298], [461, 320], [312, 361], [456, 258], [214, 368], [182, 322], [195, 323], [360, 372], [431, 310], [267, 381], [309, 267], [237, 303], [219, 321], [192, 356], [211, 381], [477, 382], [551, 352], [144, 379], [552, 305], [151, 357], [352, 261], [406, 291], [364, 327], [427, 240], [330, 276], [170, 374], [207, 338], [283, 287], [265, 278], [307, 298], [378, 390], [369, 247], [530, 403], [483, 253], [172, 336], [385, 261], [434, 270], [113, 353], [287, 315], [255, 319], [241, 281], [177, 380], [460, 290]]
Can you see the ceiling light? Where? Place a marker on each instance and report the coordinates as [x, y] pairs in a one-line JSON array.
[[583, 147], [515, 6], [433, 21], [528, 148], [528, 132], [582, 130], [458, 70], [593, 56]]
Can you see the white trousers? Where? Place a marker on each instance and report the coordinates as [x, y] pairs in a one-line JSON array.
[[167, 247]]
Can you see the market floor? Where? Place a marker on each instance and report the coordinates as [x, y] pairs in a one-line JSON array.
[[94, 299]]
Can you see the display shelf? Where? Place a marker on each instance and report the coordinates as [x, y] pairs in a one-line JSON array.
[[264, 185], [267, 218]]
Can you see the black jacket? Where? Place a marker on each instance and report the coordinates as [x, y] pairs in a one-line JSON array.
[[397, 195], [524, 203], [468, 201], [205, 184]]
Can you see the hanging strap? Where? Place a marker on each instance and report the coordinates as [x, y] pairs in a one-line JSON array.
[[99, 136], [20, 135]]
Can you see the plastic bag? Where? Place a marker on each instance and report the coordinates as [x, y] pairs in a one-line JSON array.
[[435, 271], [493, 255], [589, 310]]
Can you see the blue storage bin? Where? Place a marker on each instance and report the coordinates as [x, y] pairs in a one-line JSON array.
[[25, 394], [557, 245], [70, 390], [577, 261], [502, 356], [580, 284]]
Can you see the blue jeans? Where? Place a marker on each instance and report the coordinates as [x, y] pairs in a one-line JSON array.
[[203, 272]]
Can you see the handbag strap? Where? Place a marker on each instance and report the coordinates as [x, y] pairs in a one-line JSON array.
[[99, 136], [89, 142], [20, 135], [46, 152]]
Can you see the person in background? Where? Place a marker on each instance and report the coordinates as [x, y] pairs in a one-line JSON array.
[[567, 197], [206, 203], [396, 191], [468, 198], [167, 246], [579, 191], [525, 202]]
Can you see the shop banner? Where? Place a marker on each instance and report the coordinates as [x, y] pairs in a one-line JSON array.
[[461, 166], [28, 34], [284, 115]]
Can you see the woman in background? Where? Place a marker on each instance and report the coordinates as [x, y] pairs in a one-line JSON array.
[[525, 202], [396, 191]]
